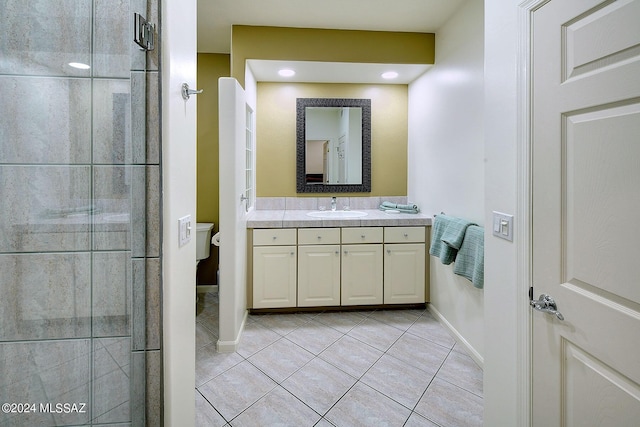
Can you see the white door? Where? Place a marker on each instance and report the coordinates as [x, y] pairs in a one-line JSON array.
[[233, 212], [586, 212]]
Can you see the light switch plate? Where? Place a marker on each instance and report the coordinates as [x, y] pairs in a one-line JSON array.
[[184, 230], [503, 225]]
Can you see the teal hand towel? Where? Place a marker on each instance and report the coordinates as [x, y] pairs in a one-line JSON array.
[[385, 206], [454, 233], [470, 259], [438, 248]]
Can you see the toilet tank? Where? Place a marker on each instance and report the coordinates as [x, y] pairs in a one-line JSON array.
[[203, 239]]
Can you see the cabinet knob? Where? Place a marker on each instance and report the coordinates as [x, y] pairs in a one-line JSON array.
[[275, 237], [363, 236], [337, 252], [406, 235], [319, 237], [292, 253], [389, 251], [346, 252]]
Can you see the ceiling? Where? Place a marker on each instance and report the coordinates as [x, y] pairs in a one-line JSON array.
[[215, 18]]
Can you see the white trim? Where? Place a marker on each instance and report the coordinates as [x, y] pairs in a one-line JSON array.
[[472, 351], [523, 211], [231, 346]]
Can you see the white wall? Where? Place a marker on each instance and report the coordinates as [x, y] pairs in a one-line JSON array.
[[505, 398], [179, 199], [446, 158]]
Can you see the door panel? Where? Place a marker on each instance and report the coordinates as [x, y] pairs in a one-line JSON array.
[[585, 210]]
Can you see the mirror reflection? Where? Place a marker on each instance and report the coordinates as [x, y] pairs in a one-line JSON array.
[[334, 139]]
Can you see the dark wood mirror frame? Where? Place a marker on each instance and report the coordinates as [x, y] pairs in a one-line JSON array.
[[301, 184]]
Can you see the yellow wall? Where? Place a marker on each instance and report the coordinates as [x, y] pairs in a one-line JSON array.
[[210, 68], [276, 135], [312, 44]]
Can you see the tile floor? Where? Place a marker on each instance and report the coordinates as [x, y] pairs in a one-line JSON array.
[[364, 368]]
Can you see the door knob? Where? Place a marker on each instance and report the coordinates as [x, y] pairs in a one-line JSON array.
[[546, 304]]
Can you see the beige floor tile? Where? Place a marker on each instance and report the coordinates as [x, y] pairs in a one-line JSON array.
[[462, 370], [402, 382], [376, 334], [206, 416], [450, 406], [280, 359], [319, 385], [277, 408], [314, 337], [418, 352], [351, 355], [236, 389], [363, 406]]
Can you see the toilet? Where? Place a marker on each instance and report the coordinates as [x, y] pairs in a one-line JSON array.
[[203, 240], [203, 250]]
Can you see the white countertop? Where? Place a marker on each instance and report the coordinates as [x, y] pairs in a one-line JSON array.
[[299, 218]]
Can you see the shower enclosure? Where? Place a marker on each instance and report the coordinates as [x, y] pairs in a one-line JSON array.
[[80, 282]]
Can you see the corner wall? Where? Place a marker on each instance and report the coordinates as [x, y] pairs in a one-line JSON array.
[[446, 158]]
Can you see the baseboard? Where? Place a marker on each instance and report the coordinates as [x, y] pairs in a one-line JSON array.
[[231, 346], [472, 351], [206, 288]]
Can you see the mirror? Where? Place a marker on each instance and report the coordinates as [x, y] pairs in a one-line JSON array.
[[333, 137]]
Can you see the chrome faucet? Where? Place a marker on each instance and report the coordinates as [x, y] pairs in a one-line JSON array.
[[333, 203]]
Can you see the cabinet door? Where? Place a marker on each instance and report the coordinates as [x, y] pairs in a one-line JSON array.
[[274, 276], [318, 275], [404, 273], [361, 274]]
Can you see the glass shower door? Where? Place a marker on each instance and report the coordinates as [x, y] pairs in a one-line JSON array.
[[72, 202]]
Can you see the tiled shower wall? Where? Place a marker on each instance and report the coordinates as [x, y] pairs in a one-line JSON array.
[[80, 276]]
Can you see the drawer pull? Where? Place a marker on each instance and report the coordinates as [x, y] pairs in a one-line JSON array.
[[406, 235], [337, 252], [319, 237], [363, 236], [389, 251], [275, 237]]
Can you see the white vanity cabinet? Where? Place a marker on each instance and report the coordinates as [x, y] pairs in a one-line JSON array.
[[318, 267], [404, 265], [274, 268], [362, 270], [332, 266]]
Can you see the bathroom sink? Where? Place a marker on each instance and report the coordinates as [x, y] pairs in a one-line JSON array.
[[336, 214]]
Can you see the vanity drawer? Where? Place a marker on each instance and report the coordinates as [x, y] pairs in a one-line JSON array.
[[404, 234], [319, 236], [356, 235], [274, 236]]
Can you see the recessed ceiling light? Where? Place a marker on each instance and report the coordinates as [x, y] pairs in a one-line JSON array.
[[389, 75], [79, 65], [285, 72]]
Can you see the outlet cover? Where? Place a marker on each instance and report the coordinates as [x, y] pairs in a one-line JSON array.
[[184, 230]]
